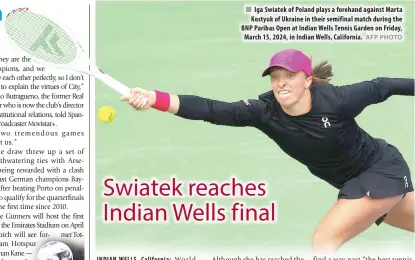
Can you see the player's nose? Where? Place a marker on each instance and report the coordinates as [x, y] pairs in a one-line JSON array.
[[279, 84]]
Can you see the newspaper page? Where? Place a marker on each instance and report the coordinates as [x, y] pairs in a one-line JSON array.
[[250, 130], [45, 132]]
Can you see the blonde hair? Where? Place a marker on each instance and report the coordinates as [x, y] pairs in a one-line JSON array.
[[322, 73]]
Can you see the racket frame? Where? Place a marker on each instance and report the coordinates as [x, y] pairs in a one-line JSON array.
[[82, 63]]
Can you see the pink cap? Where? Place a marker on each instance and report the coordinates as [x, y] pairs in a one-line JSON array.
[[292, 60]]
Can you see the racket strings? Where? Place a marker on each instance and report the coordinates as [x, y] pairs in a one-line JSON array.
[[41, 37]]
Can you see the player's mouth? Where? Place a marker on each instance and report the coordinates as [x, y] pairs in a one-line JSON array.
[[284, 93]]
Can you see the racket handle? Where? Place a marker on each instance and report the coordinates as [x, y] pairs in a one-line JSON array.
[[113, 83]]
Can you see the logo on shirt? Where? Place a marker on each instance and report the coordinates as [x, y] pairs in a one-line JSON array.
[[326, 122], [247, 102], [406, 181]]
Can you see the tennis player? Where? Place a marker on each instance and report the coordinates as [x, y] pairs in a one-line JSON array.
[[314, 123]]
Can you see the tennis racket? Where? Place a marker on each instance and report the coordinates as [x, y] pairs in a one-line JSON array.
[[53, 45]]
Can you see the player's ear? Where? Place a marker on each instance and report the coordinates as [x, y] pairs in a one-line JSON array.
[[308, 82]]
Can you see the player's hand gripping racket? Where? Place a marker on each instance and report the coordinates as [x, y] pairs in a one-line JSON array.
[[53, 45]]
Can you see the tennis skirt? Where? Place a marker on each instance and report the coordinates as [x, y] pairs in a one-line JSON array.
[[388, 176]]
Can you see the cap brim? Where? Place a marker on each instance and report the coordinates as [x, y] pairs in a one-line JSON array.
[[281, 65]]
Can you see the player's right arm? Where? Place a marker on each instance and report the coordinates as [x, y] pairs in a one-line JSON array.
[[241, 113]]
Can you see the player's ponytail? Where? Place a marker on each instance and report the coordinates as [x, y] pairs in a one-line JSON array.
[[322, 73]]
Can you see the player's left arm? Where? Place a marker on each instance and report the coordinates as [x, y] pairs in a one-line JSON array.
[[356, 97]]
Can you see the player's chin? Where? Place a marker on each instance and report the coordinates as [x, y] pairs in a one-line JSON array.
[[286, 100]]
